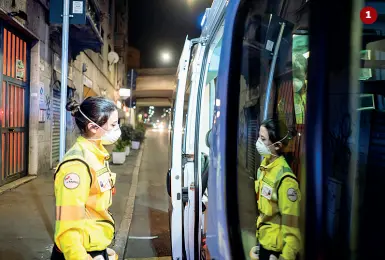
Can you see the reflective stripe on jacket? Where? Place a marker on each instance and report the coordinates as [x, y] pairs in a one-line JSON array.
[[279, 207], [83, 191]]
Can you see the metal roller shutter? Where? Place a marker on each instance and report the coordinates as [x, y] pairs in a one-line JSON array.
[[55, 127], [252, 137]]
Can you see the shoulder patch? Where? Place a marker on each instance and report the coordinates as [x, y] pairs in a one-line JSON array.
[[71, 181], [292, 195]]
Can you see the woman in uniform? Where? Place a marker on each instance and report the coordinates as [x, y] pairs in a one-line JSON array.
[[84, 184], [278, 194]]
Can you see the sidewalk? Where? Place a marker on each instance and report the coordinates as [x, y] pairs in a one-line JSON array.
[[27, 213]]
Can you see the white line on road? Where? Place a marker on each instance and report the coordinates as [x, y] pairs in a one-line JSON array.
[[144, 238]]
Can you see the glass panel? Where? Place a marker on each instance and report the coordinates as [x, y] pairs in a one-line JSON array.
[[187, 95], [212, 72], [353, 130], [272, 105], [357, 129], [300, 54], [207, 103]]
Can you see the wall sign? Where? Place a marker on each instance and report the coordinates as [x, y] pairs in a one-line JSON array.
[[20, 70], [42, 103], [77, 7]]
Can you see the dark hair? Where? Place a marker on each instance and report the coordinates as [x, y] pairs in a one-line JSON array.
[[97, 109], [278, 130]]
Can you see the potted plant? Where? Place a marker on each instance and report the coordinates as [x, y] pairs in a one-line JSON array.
[[137, 138], [127, 145], [127, 132], [119, 152]]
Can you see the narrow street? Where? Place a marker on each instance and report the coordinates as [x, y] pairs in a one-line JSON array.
[[149, 234]]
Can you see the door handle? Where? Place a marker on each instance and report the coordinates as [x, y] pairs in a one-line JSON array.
[[168, 182]]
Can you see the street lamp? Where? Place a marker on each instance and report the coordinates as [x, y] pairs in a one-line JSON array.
[[166, 57]]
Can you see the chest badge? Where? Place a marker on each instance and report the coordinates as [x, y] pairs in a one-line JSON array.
[[267, 191], [104, 182]]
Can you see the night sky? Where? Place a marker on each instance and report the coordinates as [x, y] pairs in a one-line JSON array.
[[162, 25]]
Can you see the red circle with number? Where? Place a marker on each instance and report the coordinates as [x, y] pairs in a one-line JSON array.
[[368, 15]]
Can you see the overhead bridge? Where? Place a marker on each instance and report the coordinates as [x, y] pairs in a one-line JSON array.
[[155, 87]]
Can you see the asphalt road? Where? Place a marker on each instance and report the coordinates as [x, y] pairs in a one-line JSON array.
[[149, 234]]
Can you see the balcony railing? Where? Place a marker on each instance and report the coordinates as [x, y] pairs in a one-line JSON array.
[[93, 12]]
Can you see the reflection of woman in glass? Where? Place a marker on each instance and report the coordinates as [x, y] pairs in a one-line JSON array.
[[299, 86], [278, 196], [299, 100]]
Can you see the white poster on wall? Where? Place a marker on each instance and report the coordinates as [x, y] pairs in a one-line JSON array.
[[42, 104]]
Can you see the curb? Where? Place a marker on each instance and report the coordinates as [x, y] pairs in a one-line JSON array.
[[13, 185], [124, 227]]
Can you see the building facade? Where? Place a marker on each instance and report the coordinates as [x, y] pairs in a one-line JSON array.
[[30, 51], [133, 58]]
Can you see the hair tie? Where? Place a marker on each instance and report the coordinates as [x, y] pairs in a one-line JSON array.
[[75, 110]]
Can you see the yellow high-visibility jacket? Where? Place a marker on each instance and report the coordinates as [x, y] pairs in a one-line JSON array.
[[83, 190], [279, 207]]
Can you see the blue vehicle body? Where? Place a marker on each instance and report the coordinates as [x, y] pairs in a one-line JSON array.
[[218, 239]]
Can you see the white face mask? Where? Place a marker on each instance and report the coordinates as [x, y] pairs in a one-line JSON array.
[[263, 149], [110, 137]]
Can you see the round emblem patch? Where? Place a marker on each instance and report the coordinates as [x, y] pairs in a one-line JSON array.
[[292, 195], [71, 181]]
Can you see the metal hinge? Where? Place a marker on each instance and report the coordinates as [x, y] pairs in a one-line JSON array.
[[204, 40], [187, 158]]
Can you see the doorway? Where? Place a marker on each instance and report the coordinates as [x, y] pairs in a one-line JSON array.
[[14, 51]]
